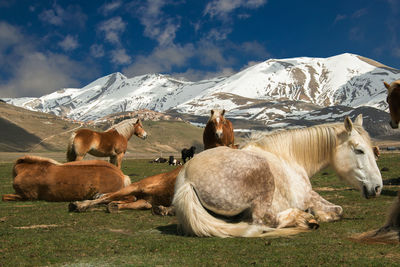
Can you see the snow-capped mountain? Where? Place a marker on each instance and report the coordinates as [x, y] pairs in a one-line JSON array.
[[268, 91]]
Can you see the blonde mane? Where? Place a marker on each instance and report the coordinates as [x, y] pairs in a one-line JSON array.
[[216, 114], [311, 147], [125, 127]]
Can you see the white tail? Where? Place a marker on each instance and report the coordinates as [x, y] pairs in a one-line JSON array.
[[194, 219]]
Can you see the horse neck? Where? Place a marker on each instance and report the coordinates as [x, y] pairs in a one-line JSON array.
[[124, 130], [312, 148]]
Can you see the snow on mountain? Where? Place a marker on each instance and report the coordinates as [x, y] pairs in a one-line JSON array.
[[268, 91]]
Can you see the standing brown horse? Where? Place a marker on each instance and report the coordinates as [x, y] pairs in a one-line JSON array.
[[112, 143], [393, 100], [218, 131], [154, 192], [36, 178]]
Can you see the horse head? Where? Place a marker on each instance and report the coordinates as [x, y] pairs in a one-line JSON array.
[[138, 130], [354, 159], [218, 120], [393, 99]]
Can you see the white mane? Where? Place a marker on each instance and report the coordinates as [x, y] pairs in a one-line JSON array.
[[307, 146], [125, 127]]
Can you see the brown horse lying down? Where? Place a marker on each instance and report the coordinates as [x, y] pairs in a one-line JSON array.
[[36, 178], [218, 131], [152, 192], [390, 232]]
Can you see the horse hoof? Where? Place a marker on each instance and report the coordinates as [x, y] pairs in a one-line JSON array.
[[112, 208], [313, 224]]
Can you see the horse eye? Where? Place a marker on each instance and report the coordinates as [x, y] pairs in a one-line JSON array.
[[358, 151]]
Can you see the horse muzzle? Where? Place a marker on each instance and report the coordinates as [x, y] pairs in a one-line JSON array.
[[371, 192], [218, 134]]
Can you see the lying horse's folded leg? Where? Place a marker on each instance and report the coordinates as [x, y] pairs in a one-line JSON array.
[[140, 204], [296, 218], [80, 206], [324, 210], [12, 197]]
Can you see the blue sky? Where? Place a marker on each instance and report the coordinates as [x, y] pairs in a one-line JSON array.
[[48, 45]]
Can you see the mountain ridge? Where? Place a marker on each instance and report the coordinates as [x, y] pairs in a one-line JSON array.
[[272, 91]]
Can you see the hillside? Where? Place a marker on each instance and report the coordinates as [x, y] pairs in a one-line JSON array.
[[30, 131]]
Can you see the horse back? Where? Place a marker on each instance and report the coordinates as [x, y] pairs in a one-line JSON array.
[[67, 182], [243, 177]]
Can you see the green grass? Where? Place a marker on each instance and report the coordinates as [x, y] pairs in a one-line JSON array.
[[138, 238]]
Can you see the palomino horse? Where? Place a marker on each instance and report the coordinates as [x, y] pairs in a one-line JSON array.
[[218, 131], [152, 192], [112, 143], [266, 184], [393, 99], [36, 178]]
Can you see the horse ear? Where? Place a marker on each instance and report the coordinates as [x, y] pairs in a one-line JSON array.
[[212, 112], [386, 85], [223, 112], [348, 125], [359, 120]]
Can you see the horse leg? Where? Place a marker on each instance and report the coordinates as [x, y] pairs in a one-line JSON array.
[[120, 156], [80, 206], [294, 217], [140, 204], [324, 210], [12, 197]]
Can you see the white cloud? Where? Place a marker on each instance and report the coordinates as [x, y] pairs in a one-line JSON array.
[[53, 16], [161, 60], [222, 8], [108, 8], [34, 72], [359, 13], [119, 56], [157, 25], [339, 17], [58, 16], [69, 43], [97, 50], [112, 29], [208, 54]]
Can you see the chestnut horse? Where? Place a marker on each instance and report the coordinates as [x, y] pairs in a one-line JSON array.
[[37, 178], [152, 192], [393, 99], [218, 131], [390, 232], [112, 143], [266, 184]]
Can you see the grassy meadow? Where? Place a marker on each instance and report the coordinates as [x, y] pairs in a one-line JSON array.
[[46, 234]]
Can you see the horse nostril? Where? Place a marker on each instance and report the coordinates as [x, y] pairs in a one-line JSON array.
[[377, 189]]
